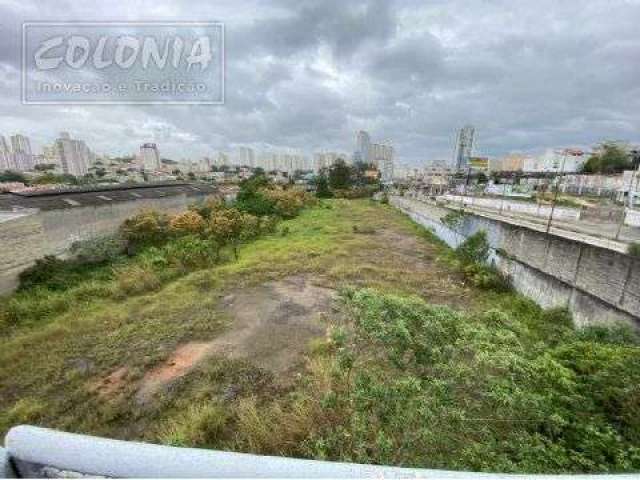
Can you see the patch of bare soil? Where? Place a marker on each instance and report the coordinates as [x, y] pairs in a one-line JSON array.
[[271, 327], [112, 384]]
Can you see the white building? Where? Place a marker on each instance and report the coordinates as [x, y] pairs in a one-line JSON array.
[[565, 160], [72, 155], [149, 157], [326, 159], [20, 144]]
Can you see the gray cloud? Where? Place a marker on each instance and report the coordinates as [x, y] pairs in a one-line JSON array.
[[307, 74]]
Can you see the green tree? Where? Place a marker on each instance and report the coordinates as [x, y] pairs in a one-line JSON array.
[[608, 157], [340, 175], [11, 176], [322, 187]]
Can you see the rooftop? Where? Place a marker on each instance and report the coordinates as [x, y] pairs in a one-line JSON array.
[[57, 199]]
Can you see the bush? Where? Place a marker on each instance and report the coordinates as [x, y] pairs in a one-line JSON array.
[[453, 219], [43, 271], [190, 252], [136, 279], [187, 223], [24, 411], [634, 249], [201, 424], [475, 249], [146, 228], [99, 250], [486, 277]]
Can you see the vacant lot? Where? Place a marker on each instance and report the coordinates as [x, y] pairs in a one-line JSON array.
[[289, 350], [115, 368]]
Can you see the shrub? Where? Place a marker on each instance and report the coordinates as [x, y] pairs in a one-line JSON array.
[[136, 279], [287, 203], [486, 277], [190, 252], [26, 410], [453, 219], [33, 306], [99, 250], [43, 271], [187, 223], [475, 249], [200, 425], [146, 228], [634, 249]]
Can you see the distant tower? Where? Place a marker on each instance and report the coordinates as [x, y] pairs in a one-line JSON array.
[[464, 146], [363, 146]]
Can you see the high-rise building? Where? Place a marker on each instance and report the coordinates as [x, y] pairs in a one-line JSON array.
[[382, 158], [5, 154], [149, 157], [464, 146], [20, 144], [72, 155], [363, 147]]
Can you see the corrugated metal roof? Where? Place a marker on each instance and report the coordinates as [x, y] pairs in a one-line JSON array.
[[55, 200]]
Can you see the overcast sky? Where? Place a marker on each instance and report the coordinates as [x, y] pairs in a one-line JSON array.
[[308, 74]]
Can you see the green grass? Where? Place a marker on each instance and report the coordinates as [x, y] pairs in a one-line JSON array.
[[51, 361]]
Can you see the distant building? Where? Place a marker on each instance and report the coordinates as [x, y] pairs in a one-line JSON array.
[[20, 144], [363, 147], [322, 160], [72, 155], [513, 162], [479, 163], [381, 155], [464, 146], [149, 157], [564, 160]]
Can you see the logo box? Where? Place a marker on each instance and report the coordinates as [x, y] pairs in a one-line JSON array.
[[123, 63]]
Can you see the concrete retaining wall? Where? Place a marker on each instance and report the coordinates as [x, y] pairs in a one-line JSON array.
[[35, 234], [632, 217], [599, 286]]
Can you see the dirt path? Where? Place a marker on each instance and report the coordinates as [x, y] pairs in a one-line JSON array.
[[271, 326]]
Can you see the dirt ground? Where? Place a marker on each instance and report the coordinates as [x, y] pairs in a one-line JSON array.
[[271, 326]]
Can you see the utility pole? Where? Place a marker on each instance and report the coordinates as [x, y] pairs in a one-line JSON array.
[[555, 197]]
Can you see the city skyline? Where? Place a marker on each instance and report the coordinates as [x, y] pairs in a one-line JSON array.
[[304, 75]]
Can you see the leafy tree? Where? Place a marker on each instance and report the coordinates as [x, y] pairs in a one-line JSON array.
[[187, 223], [322, 187], [44, 167], [11, 176], [340, 176], [608, 157], [225, 227], [474, 249], [146, 228]]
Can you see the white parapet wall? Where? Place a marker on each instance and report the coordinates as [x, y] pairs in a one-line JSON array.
[[632, 217], [33, 452], [505, 205]]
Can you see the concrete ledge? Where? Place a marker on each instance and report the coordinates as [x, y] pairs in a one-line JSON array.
[[5, 467]]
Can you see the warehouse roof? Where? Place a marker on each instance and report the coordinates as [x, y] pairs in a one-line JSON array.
[[102, 195]]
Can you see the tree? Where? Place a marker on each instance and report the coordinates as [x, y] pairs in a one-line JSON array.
[[11, 176], [608, 157], [340, 176], [146, 228], [228, 227], [322, 187], [187, 223], [44, 167]]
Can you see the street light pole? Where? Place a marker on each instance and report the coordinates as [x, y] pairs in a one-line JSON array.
[[555, 197]]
